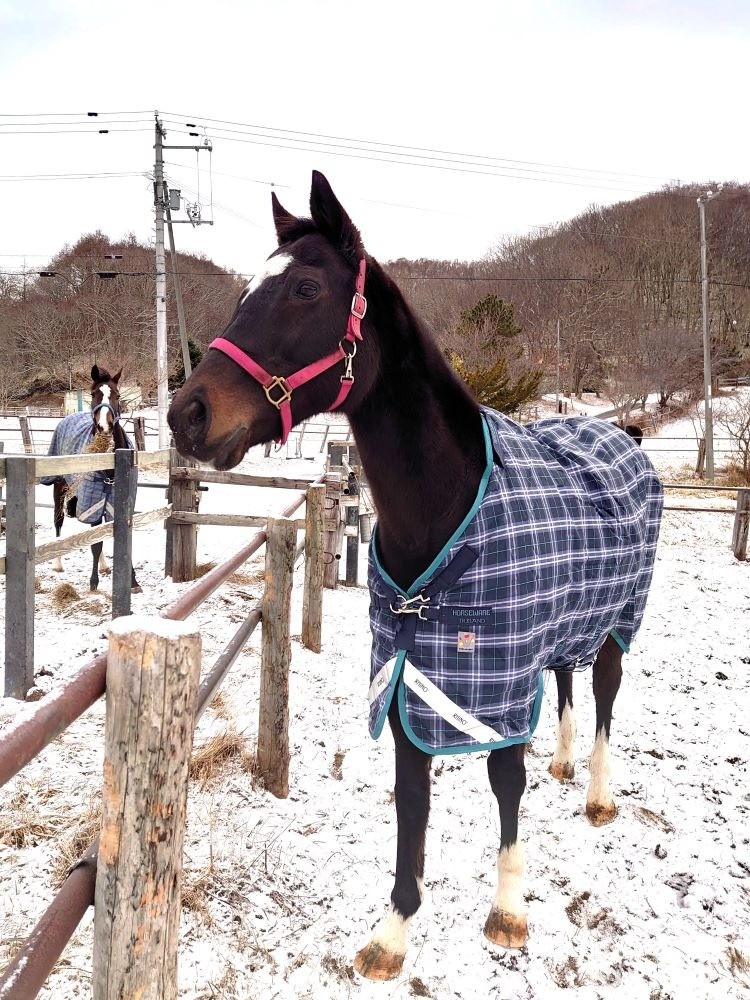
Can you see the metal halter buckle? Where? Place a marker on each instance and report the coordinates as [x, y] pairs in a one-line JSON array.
[[286, 392], [356, 299], [408, 606]]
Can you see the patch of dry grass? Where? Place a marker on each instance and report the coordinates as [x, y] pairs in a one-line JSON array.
[[21, 824], [77, 841], [39, 587], [202, 568], [194, 886], [214, 757], [64, 595], [739, 965]]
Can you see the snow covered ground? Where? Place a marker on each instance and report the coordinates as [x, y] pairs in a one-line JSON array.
[[281, 894]]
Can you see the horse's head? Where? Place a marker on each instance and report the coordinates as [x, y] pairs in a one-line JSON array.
[[288, 350], [105, 399]]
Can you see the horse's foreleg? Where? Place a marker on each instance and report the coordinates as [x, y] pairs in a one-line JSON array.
[[607, 674], [563, 761], [507, 924], [383, 957]]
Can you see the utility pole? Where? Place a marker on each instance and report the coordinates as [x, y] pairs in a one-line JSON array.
[[557, 382], [161, 196], [707, 392], [162, 368], [186, 363]]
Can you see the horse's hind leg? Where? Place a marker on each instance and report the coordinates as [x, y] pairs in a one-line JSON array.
[[607, 674], [507, 924], [58, 500], [96, 555], [563, 761], [383, 957]]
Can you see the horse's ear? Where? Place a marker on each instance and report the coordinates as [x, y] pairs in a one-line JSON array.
[[95, 376], [330, 217], [116, 378], [284, 221]]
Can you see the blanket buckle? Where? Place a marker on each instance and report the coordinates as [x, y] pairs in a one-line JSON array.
[[409, 606]]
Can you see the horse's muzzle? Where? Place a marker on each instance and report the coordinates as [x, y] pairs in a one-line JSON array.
[[190, 419]]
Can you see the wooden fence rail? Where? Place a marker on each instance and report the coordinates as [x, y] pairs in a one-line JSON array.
[[21, 554]]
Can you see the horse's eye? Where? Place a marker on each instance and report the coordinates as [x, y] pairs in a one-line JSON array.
[[306, 290]]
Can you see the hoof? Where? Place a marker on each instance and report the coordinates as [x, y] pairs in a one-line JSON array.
[[93, 587], [562, 771], [105, 570], [599, 815], [374, 962], [137, 589], [57, 569], [508, 930]]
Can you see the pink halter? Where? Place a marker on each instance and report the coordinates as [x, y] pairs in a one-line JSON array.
[[287, 384]]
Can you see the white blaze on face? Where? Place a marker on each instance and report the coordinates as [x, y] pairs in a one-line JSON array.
[[101, 413], [273, 266]]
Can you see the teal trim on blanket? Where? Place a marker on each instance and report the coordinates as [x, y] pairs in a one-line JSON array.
[[415, 587], [624, 646], [397, 671], [473, 747]]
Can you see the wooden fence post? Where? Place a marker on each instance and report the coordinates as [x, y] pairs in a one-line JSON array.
[[2, 502], [276, 656], [185, 497], [351, 531], [19, 576], [139, 433], [122, 531], [152, 685], [312, 601], [334, 531], [701, 457], [741, 524], [28, 444]]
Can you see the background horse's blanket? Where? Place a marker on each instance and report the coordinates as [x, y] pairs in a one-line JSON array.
[[95, 490], [556, 552]]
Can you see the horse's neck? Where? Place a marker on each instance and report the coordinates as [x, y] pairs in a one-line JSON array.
[[420, 439]]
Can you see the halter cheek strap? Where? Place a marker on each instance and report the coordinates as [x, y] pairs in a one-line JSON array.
[[279, 388]]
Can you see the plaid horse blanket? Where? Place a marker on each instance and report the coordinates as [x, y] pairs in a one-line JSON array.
[[95, 490], [556, 552]]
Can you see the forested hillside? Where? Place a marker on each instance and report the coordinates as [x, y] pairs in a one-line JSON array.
[[94, 301], [623, 281]]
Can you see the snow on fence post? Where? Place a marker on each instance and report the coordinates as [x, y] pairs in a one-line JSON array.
[[19, 576], [152, 686], [741, 524], [276, 656], [312, 601]]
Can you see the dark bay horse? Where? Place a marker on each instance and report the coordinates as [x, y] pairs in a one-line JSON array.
[[89, 497], [572, 528]]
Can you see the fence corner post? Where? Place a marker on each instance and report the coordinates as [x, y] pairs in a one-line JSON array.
[[334, 530], [184, 537], [122, 531], [312, 601], [741, 524], [152, 685], [276, 656], [20, 475]]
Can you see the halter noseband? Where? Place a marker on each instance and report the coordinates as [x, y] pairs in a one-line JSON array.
[[285, 385]]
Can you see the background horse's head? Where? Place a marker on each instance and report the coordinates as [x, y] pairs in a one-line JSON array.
[[105, 399], [288, 350]]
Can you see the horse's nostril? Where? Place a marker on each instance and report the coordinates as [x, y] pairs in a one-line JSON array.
[[196, 413]]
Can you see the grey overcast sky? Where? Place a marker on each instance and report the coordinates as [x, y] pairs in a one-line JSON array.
[[441, 126]]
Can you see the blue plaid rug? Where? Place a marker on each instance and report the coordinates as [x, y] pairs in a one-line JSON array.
[[95, 490], [556, 553]]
